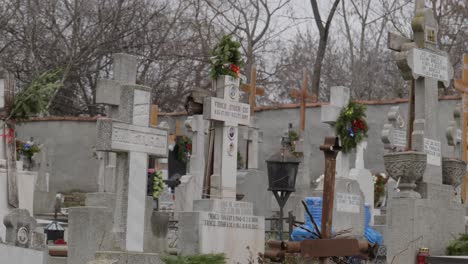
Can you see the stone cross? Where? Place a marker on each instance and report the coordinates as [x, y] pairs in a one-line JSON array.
[[394, 132], [20, 230], [339, 98], [454, 133], [253, 135], [428, 66], [127, 132], [7, 139], [106, 175], [199, 128], [227, 113], [303, 96]]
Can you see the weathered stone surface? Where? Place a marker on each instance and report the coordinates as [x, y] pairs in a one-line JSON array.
[[100, 199], [209, 230], [119, 257], [20, 226], [89, 231], [18, 255], [114, 136], [156, 229], [248, 182], [416, 223]]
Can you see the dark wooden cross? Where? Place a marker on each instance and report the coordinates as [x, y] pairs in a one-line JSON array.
[[8, 151], [304, 97]]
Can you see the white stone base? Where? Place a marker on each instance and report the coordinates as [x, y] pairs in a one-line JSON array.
[[19, 255], [219, 226]]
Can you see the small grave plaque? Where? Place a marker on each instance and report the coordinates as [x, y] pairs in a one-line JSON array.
[[349, 203], [399, 138], [227, 111], [432, 149], [22, 236], [430, 65]]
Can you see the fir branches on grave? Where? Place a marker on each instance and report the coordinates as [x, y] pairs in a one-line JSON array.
[[36, 98], [226, 58]]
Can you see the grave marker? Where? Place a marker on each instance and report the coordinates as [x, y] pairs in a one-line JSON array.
[[339, 98], [253, 135], [394, 132], [303, 97], [128, 133], [229, 113], [428, 66], [454, 133]]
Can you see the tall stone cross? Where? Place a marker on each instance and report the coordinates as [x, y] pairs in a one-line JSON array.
[[462, 86], [339, 98], [394, 132], [304, 97], [227, 113], [7, 139], [199, 128], [126, 131], [253, 135], [428, 66]]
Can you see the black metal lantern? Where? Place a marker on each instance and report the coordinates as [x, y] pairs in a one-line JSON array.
[[54, 231], [282, 171]]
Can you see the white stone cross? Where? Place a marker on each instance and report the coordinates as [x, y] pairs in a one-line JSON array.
[[454, 133], [229, 113], [199, 128], [339, 98], [127, 132], [394, 132], [428, 66]]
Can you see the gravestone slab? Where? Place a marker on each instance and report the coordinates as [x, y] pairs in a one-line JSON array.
[[20, 230], [222, 226], [20, 255]]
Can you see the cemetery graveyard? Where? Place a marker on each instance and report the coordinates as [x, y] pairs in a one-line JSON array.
[[227, 172]]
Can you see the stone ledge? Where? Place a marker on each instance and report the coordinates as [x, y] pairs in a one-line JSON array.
[[123, 257]]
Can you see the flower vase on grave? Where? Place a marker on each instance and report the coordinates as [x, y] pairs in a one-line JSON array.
[[406, 168]]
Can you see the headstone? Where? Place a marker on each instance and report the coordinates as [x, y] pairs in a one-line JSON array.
[[348, 211], [221, 224], [20, 230], [364, 177], [394, 132], [339, 98], [429, 221], [127, 133], [23, 245], [191, 186], [228, 112]]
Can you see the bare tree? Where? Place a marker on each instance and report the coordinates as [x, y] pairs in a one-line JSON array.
[[324, 30]]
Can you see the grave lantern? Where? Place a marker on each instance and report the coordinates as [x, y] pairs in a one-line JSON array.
[[282, 171], [54, 231]]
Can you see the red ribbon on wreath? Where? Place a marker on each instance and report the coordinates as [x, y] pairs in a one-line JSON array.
[[9, 135], [235, 69]]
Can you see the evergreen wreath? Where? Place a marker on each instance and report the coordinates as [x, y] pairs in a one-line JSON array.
[[226, 58], [351, 126], [183, 148]]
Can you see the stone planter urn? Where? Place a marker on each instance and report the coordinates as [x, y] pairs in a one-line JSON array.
[[453, 171], [406, 167]]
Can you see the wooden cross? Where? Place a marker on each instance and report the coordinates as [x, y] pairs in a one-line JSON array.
[[8, 142], [154, 115], [172, 137], [252, 89], [303, 96], [462, 86]]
